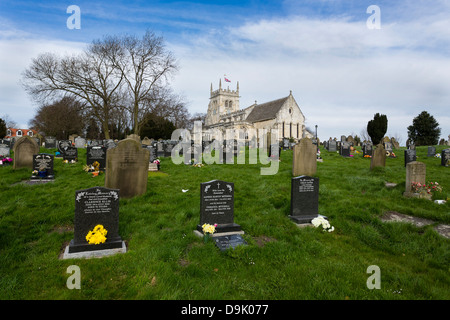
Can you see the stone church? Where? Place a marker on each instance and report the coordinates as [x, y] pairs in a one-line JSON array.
[[283, 115]]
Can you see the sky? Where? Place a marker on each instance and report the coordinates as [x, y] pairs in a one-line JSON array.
[[343, 60]]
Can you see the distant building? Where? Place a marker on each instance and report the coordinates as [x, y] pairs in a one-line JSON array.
[[18, 133], [283, 115]]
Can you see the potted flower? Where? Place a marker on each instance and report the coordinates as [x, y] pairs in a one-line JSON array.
[[157, 163], [426, 191]]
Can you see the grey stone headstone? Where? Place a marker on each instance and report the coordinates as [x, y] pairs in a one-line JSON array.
[[304, 199], [24, 149], [5, 149], [410, 156], [80, 142], [367, 151], [96, 154], [332, 146], [217, 206], [96, 206], [431, 151], [445, 157]]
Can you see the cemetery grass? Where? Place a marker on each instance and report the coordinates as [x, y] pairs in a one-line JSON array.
[[167, 261]]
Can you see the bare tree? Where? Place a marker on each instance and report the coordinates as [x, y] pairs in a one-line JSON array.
[[145, 66], [91, 77]]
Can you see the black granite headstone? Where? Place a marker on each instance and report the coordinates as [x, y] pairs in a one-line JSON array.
[[70, 154], [367, 151], [230, 241], [50, 142], [63, 145], [345, 149], [96, 206], [217, 206], [43, 163], [96, 154], [304, 199], [410, 156]]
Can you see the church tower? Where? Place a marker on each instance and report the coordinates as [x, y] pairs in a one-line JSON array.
[[221, 102]]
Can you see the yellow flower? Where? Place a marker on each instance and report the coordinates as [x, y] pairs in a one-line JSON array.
[[207, 228], [97, 235]]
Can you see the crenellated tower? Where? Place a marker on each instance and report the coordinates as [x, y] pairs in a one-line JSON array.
[[221, 102]]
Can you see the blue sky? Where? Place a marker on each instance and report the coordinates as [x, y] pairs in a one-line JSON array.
[[340, 72]]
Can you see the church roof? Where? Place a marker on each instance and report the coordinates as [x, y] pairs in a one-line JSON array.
[[266, 110]]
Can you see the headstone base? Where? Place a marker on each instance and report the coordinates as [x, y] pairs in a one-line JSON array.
[[73, 248], [94, 253], [222, 228], [218, 234], [302, 219]]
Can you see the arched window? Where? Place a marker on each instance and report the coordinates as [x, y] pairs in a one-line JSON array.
[[230, 104], [283, 130], [290, 129], [19, 133]]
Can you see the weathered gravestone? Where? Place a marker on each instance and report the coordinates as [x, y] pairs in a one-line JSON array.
[[415, 172], [98, 154], [445, 158], [304, 160], [304, 199], [378, 157], [431, 151], [94, 207], [24, 149], [80, 142], [43, 164], [70, 154], [5, 149], [127, 168], [217, 206], [410, 156]]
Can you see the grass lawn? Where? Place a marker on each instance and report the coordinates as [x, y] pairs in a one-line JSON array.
[[167, 261]]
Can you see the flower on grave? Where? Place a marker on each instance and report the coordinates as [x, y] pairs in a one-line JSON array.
[[208, 228], [5, 160], [322, 222], [367, 156], [156, 161], [428, 188], [65, 161], [34, 172], [97, 235], [96, 166], [198, 165]]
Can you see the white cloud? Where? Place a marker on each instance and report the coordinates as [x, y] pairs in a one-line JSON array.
[[341, 73]]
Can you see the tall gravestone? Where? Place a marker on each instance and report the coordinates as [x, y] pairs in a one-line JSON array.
[[127, 168], [410, 156], [332, 145], [415, 172], [304, 160], [431, 151], [378, 157], [98, 154], [304, 199], [24, 149], [96, 206], [217, 206]]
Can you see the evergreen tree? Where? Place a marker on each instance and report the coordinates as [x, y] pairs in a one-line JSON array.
[[377, 128], [424, 130], [2, 128]]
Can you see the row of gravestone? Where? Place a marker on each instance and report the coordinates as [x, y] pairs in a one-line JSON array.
[[99, 206]]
